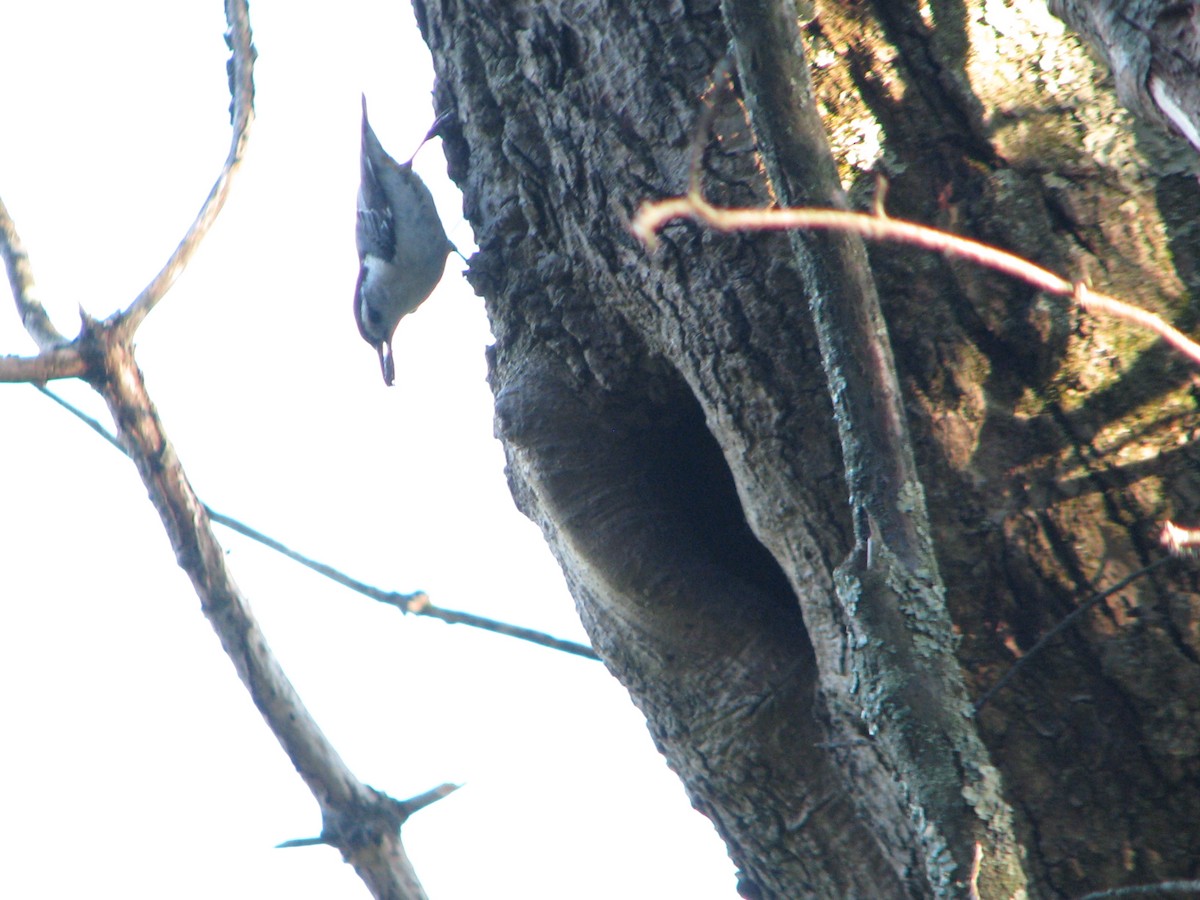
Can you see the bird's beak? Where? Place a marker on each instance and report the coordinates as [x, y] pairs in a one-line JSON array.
[[386, 362]]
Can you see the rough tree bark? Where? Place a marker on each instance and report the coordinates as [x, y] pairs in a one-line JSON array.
[[670, 423]]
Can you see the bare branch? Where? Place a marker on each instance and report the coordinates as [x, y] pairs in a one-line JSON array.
[[241, 85], [20, 277], [363, 823], [653, 216], [83, 417], [453, 617], [201, 557], [416, 603], [1146, 890], [56, 360], [402, 601], [65, 362]]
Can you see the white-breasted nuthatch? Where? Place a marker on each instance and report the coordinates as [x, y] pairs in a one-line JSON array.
[[402, 247]]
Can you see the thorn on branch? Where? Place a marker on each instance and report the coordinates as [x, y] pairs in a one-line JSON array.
[[395, 812], [431, 796], [301, 842]]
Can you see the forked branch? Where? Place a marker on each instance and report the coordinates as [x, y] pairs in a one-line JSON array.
[[361, 822]]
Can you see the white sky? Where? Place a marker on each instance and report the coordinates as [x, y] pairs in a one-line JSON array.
[[137, 765]]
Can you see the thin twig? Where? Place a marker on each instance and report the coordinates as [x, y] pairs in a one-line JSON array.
[[454, 617], [653, 216], [1062, 626], [417, 603], [83, 417], [20, 277], [241, 84], [392, 598], [1146, 890]]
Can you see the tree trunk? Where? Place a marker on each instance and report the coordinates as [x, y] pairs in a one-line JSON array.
[[683, 431]]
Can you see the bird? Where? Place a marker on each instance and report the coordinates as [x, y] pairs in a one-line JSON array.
[[402, 246]]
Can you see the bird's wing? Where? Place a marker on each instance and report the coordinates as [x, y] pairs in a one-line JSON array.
[[375, 233]]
